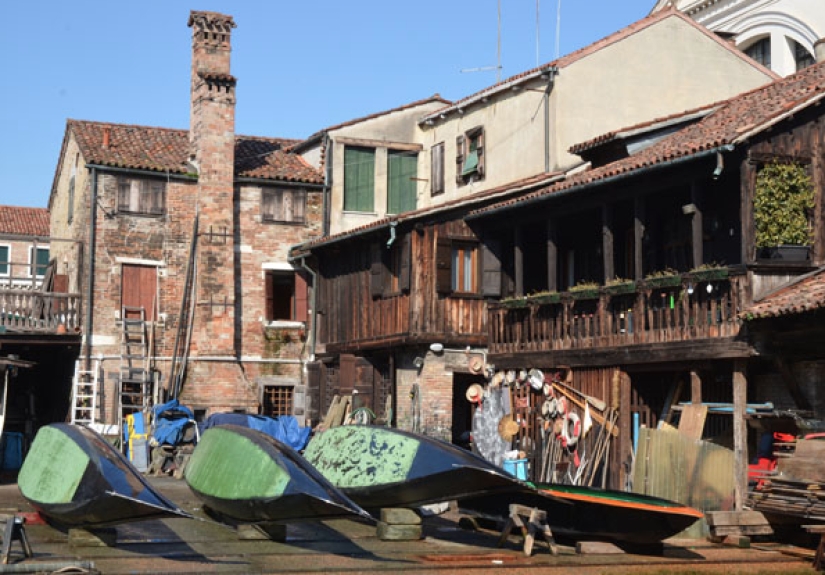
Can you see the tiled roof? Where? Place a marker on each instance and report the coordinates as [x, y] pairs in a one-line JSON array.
[[572, 57], [732, 123], [22, 221], [805, 294], [167, 150]]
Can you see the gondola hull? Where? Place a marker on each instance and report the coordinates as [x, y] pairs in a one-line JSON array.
[[381, 467], [75, 478], [245, 476], [584, 513]]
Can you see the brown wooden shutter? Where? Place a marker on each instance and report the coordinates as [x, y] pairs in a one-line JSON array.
[[301, 298], [138, 288], [437, 169], [491, 268], [268, 205], [459, 159], [346, 374], [376, 271], [406, 259], [480, 152], [270, 304], [443, 265]]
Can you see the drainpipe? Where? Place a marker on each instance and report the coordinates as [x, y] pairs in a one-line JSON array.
[[392, 234], [550, 81], [325, 225], [90, 279], [312, 321]]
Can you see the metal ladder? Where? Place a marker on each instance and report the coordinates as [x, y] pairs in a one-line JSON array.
[[134, 382], [84, 394]]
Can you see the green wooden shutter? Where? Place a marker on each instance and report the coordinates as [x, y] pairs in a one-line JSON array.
[[4, 260], [402, 168], [359, 179]]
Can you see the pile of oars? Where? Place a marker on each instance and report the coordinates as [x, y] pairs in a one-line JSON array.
[[593, 450]]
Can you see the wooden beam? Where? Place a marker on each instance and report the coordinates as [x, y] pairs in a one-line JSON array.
[[638, 235], [740, 435], [747, 175], [518, 260], [552, 257]]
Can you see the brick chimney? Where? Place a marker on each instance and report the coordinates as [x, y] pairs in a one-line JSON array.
[[212, 153], [819, 50]]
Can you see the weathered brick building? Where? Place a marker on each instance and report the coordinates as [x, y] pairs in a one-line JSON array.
[[187, 287]]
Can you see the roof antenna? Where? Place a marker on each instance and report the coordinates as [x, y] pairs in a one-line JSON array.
[[558, 27], [497, 67]]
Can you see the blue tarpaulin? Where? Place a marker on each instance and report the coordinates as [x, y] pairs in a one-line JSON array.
[[170, 419], [284, 428]]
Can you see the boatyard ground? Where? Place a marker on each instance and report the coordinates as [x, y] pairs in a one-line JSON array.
[[343, 546]]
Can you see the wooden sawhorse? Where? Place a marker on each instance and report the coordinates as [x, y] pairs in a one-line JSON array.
[[536, 523], [14, 531]]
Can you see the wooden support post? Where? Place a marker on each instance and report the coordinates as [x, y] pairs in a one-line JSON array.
[[552, 257], [695, 387], [638, 237], [518, 261], [740, 434], [697, 238], [607, 243]]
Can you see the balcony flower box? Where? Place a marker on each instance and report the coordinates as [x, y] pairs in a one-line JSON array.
[[785, 253], [620, 288], [514, 303], [584, 292], [709, 274], [545, 298], [664, 281]]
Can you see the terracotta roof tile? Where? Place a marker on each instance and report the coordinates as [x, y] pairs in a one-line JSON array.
[[24, 221], [167, 150], [805, 294], [733, 122]]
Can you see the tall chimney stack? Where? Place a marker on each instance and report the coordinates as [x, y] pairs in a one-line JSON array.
[[819, 50]]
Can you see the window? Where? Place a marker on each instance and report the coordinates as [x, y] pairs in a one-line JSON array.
[[39, 260], [470, 156], [140, 196], [465, 270], [138, 289], [802, 57], [760, 51], [5, 253], [402, 169], [359, 179], [277, 400], [437, 169], [468, 267], [283, 205], [286, 296], [70, 215]]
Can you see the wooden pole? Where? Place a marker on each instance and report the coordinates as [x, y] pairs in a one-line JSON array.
[[740, 435]]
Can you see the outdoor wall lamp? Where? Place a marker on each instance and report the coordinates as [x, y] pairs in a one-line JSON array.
[[690, 289]]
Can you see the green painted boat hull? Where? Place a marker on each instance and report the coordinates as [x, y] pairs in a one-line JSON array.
[[381, 467], [245, 476], [75, 478]]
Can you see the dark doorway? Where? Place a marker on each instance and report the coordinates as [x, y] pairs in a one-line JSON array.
[[463, 409]]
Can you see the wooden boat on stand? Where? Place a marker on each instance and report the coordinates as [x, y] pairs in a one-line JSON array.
[[75, 478], [245, 476], [589, 514], [380, 467]]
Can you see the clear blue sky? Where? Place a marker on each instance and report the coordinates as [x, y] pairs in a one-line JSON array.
[[301, 66]]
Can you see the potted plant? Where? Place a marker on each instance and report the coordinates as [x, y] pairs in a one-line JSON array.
[[514, 302], [544, 297], [782, 204], [708, 272]]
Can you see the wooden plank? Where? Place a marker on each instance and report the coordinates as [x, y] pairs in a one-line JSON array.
[[692, 420], [721, 518]]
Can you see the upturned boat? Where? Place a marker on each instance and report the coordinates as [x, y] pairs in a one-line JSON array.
[[75, 478], [381, 467], [245, 476], [591, 514]]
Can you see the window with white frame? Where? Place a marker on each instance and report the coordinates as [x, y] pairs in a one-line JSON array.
[[141, 196], [283, 205], [5, 260]]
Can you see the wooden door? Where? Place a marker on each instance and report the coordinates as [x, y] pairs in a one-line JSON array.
[[139, 288]]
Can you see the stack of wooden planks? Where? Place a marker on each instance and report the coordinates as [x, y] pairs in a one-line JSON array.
[[797, 488]]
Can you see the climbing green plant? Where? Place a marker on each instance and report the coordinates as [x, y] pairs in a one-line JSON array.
[[783, 199]]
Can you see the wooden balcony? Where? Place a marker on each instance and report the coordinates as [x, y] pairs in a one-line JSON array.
[[678, 308], [25, 310]]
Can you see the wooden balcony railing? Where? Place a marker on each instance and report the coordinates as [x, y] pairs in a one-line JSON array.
[[669, 309], [27, 310]]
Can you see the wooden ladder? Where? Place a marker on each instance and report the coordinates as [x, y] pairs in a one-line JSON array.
[[134, 382], [85, 385]]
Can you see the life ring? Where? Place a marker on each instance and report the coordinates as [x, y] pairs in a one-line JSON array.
[[571, 430]]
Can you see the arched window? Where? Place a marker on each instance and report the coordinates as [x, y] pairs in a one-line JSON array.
[[760, 51], [801, 55]]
